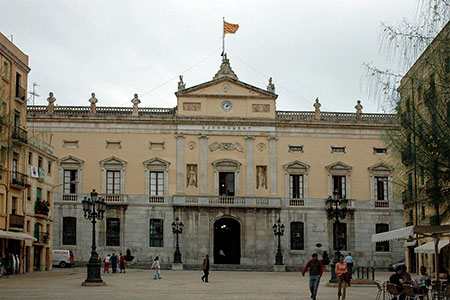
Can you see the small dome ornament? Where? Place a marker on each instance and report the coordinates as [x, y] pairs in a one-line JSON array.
[[271, 86]]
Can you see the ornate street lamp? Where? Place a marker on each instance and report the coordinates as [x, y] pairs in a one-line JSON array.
[[336, 210], [177, 228], [94, 209], [278, 230]]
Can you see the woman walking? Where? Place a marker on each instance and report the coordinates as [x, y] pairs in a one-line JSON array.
[[341, 269], [157, 267]]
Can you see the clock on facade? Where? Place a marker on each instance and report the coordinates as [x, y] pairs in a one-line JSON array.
[[226, 105]]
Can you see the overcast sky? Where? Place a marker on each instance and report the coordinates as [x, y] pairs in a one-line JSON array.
[[311, 48]]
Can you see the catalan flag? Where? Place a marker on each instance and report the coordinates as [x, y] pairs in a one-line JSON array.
[[229, 28]]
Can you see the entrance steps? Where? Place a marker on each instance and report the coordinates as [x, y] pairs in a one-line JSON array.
[[230, 267]]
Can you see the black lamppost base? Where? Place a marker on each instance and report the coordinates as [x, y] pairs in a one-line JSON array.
[[333, 267], [177, 256], [93, 275], [279, 258]]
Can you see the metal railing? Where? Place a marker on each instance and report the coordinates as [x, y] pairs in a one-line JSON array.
[[156, 199], [296, 202], [381, 204], [42, 237], [20, 134], [19, 179], [16, 221]]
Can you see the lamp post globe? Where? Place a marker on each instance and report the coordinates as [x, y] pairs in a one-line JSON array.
[[94, 209]]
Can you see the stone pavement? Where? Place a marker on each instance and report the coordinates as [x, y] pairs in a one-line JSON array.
[[64, 284]]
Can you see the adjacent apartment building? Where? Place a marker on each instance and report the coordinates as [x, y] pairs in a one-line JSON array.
[[228, 165], [25, 181]]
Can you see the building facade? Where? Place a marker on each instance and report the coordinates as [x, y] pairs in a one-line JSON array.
[[228, 164], [424, 111], [22, 248]]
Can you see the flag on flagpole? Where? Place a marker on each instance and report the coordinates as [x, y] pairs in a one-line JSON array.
[[229, 28]]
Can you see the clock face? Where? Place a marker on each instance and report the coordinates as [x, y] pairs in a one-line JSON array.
[[226, 105]]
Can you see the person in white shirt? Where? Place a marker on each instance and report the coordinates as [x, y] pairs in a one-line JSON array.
[[349, 261], [157, 274], [106, 261]]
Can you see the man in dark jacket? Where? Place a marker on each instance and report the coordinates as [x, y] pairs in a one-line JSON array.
[[205, 268], [114, 263], [315, 267]]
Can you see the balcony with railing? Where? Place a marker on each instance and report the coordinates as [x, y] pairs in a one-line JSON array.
[[70, 197], [41, 237], [19, 180], [16, 221], [20, 135], [157, 199], [381, 204], [226, 201], [114, 198], [294, 202]]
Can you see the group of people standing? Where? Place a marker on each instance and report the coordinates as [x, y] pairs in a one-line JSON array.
[[113, 261], [343, 271]]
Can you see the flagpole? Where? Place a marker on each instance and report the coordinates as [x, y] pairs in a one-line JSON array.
[[223, 37]]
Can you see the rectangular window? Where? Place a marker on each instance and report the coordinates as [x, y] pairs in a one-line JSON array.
[[40, 160], [70, 184], [14, 209], [48, 197], [382, 246], [296, 186], [19, 92], [156, 145], [113, 182], [112, 232], [30, 158], [338, 149], [70, 144], [49, 167], [69, 231], [296, 148], [297, 236], [38, 194], [379, 150], [340, 237], [226, 184], [113, 144], [381, 188], [157, 183], [339, 186], [424, 213], [156, 233], [16, 119]]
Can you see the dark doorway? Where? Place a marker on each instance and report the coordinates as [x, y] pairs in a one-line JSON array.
[[412, 260], [226, 184], [227, 241], [37, 258]]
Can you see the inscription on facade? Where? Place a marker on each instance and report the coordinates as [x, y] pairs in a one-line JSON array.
[[226, 146], [192, 106], [218, 127], [261, 108]]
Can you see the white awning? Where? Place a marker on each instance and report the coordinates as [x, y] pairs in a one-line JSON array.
[[429, 247], [410, 244], [397, 234], [16, 236]]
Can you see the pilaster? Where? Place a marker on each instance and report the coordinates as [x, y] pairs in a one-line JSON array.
[[250, 166], [180, 162], [203, 170], [273, 165]]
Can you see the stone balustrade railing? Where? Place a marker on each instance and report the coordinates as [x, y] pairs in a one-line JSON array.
[[226, 201], [307, 116]]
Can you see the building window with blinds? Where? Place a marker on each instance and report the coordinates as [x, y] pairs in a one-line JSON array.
[[69, 231], [156, 233], [296, 187], [112, 232], [381, 188], [297, 236], [70, 181], [156, 183], [113, 182]]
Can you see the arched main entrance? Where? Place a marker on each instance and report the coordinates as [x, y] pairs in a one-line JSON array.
[[227, 241]]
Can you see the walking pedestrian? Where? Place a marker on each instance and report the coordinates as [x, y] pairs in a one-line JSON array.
[[157, 274], [205, 267], [315, 267], [114, 263], [341, 269], [106, 261], [349, 261], [122, 263]]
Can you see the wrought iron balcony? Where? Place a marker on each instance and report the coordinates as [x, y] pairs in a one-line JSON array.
[[20, 135], [19, 179], [42, 237], [16, 221]]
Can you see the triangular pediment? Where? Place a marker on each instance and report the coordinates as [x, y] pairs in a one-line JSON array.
[[337, 166], [70, 160], [226, 87], [380, 167], [156, 161], [113, 161], [296, 165]]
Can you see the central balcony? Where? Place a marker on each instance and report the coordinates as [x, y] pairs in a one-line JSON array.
[[20, 135], [41, 237], [226, 201], [19, 180], [16, 221]]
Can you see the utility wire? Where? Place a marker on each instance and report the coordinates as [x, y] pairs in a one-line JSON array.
[[174, 77]]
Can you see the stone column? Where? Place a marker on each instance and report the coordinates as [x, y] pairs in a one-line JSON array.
[[203, 168], [273, 165], [180, 163], [250, 166]]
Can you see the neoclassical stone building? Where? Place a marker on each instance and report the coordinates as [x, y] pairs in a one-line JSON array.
[[228, 164]]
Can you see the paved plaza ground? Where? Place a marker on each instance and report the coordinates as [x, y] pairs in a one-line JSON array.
[[64, 284]]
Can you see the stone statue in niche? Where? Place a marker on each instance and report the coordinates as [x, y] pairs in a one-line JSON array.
[[192, 177], [261, 178]]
